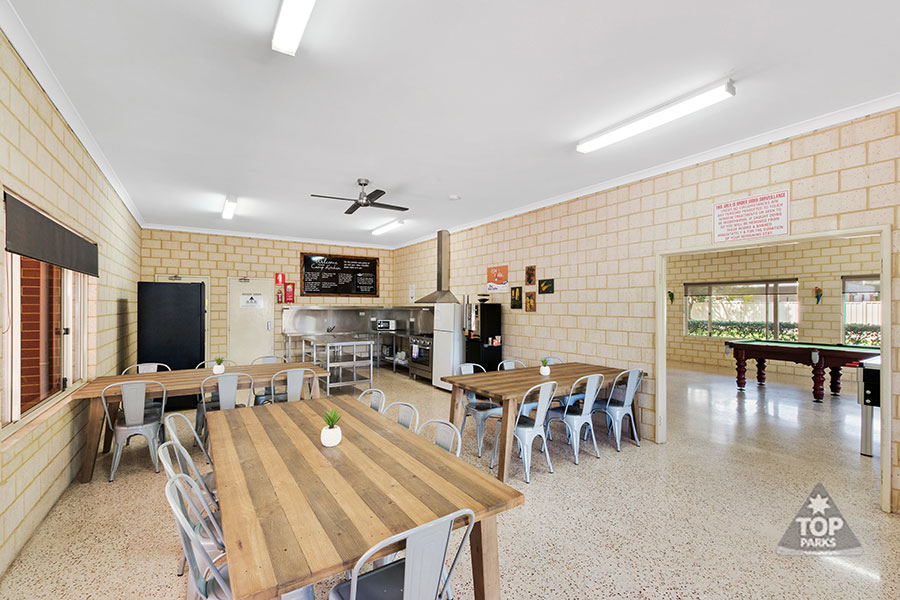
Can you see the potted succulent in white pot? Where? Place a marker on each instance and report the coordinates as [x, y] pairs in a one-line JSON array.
[[545, 367], [219, 367], [331, 433]]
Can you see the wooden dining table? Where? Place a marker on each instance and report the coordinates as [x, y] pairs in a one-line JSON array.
[[508, 387], [182, 382], [295, 512]]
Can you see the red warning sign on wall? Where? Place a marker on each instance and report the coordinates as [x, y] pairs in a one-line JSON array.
[[766, 215]]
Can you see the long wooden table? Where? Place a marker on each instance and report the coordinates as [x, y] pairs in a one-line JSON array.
[[508, 387], [182, 382], [294, 512]]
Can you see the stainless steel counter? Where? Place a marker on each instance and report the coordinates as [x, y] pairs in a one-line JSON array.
[[349, 358]]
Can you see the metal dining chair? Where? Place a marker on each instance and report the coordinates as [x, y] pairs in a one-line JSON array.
[[506, 365], [616, 409], [224, 398], [445, 433], [527, 428], [407, 415], [205, 364], [421, 575], [268, 359], [148, 367], [375, 398], [293, 381], [552, 360], [189, 467], [576, 417], [133, 419], [480, 410]]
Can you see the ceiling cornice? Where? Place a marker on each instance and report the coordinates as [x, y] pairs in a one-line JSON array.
[[265, 236], [18, 35]]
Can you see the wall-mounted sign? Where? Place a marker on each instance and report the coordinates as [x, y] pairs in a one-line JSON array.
[[766, 215], [289, 293], [545, 286], [530, 301], [331, 275], [515, 297], [498, 279], [252, 301], [530, 274], [279, 279]]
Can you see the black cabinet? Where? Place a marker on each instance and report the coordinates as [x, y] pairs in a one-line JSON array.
[[480, 349]]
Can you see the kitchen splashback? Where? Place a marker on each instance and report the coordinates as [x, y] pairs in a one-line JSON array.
[[321, 319]]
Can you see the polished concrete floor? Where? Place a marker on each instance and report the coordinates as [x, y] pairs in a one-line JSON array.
[[698, 517]]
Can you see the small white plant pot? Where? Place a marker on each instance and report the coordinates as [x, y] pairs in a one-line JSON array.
[[218, 369], [331, 436], [545, 370]]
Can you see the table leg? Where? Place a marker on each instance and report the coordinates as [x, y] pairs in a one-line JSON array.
[[761, 371], [485, 559], [314, 391], [741, 366], [457, 397], [92, 441], [109, 434], [819, 380], [836, 381], [507, 425]]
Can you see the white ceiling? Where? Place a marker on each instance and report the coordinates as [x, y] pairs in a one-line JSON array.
[[427, 99]]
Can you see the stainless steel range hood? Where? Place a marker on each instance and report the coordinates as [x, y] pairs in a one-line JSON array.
[[442, 295]]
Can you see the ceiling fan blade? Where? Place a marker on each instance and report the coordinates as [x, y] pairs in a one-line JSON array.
[[387, 206], [333, 197], [352, 209], [375, 195]]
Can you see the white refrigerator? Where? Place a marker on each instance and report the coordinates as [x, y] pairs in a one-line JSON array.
[[447, 347]]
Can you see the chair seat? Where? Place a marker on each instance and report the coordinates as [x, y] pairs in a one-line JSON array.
[[383, 583], [483, 407], [214, 590], [525, 422], [150, 418], [215, 405], [557, 412]]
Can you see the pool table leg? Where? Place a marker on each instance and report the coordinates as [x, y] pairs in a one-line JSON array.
[[819, 380], [740, 360], [761, 371], [835, 381]]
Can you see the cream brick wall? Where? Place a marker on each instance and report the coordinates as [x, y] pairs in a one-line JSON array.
[[42, 161], [812, 263], [601, 248], [220, 257]]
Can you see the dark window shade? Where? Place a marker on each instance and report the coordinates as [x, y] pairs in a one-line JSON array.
[[37, 236]]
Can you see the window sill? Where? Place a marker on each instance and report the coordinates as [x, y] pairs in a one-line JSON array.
[[13, 433]]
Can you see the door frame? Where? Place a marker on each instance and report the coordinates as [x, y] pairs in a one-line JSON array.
[[204, 279], [884, 231]]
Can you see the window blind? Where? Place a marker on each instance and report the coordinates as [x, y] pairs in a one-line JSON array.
[[870, 284]]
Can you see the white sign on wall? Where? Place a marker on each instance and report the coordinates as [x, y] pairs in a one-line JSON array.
[[760, 216], [251, 301]]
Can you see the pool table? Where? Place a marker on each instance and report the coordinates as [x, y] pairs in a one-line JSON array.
[[818, 356]]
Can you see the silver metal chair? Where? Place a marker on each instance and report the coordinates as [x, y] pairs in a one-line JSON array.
[[133, 419], [151, 367], [407, 415], [506, 365], [444, 435], [205, 364], [528, 428], [553, 360], [575, 417], [480, 410], [268, 359], [375, 398], [293, 382], [172, 432], [418, 576], [187, 465], [208, 581], [616, 409], [224, 398]]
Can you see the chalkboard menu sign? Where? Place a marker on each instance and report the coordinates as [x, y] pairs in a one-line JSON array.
[[329, 275]]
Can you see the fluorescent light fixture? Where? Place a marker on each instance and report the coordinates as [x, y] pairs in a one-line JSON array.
[[387, 227], [290, 25], [660, 115], [228, 209]]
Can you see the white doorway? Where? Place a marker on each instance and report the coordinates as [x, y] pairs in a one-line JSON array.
[[251, 331], [194, 279]]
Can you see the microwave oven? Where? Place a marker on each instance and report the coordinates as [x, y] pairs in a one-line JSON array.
[[385, 324]]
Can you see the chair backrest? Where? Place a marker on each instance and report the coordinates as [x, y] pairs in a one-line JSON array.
[[546, 392], [469, 369], [632, 381], [553, 360], [426, 553], [150, 367], [506, 365], [294, 379], [208, 363], [186, 466], [172, 432], [227, 388], [444, 435], [134, 396], [588, 387], [374, 398], [268, 359], [407, 415], [185, 499]]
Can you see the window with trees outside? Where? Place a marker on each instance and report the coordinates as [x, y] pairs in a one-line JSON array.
[[862, 310], [746, 309]]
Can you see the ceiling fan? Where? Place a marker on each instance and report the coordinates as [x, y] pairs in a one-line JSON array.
[[364, 198]]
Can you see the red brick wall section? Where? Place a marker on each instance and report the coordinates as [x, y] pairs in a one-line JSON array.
[[41, 320]]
